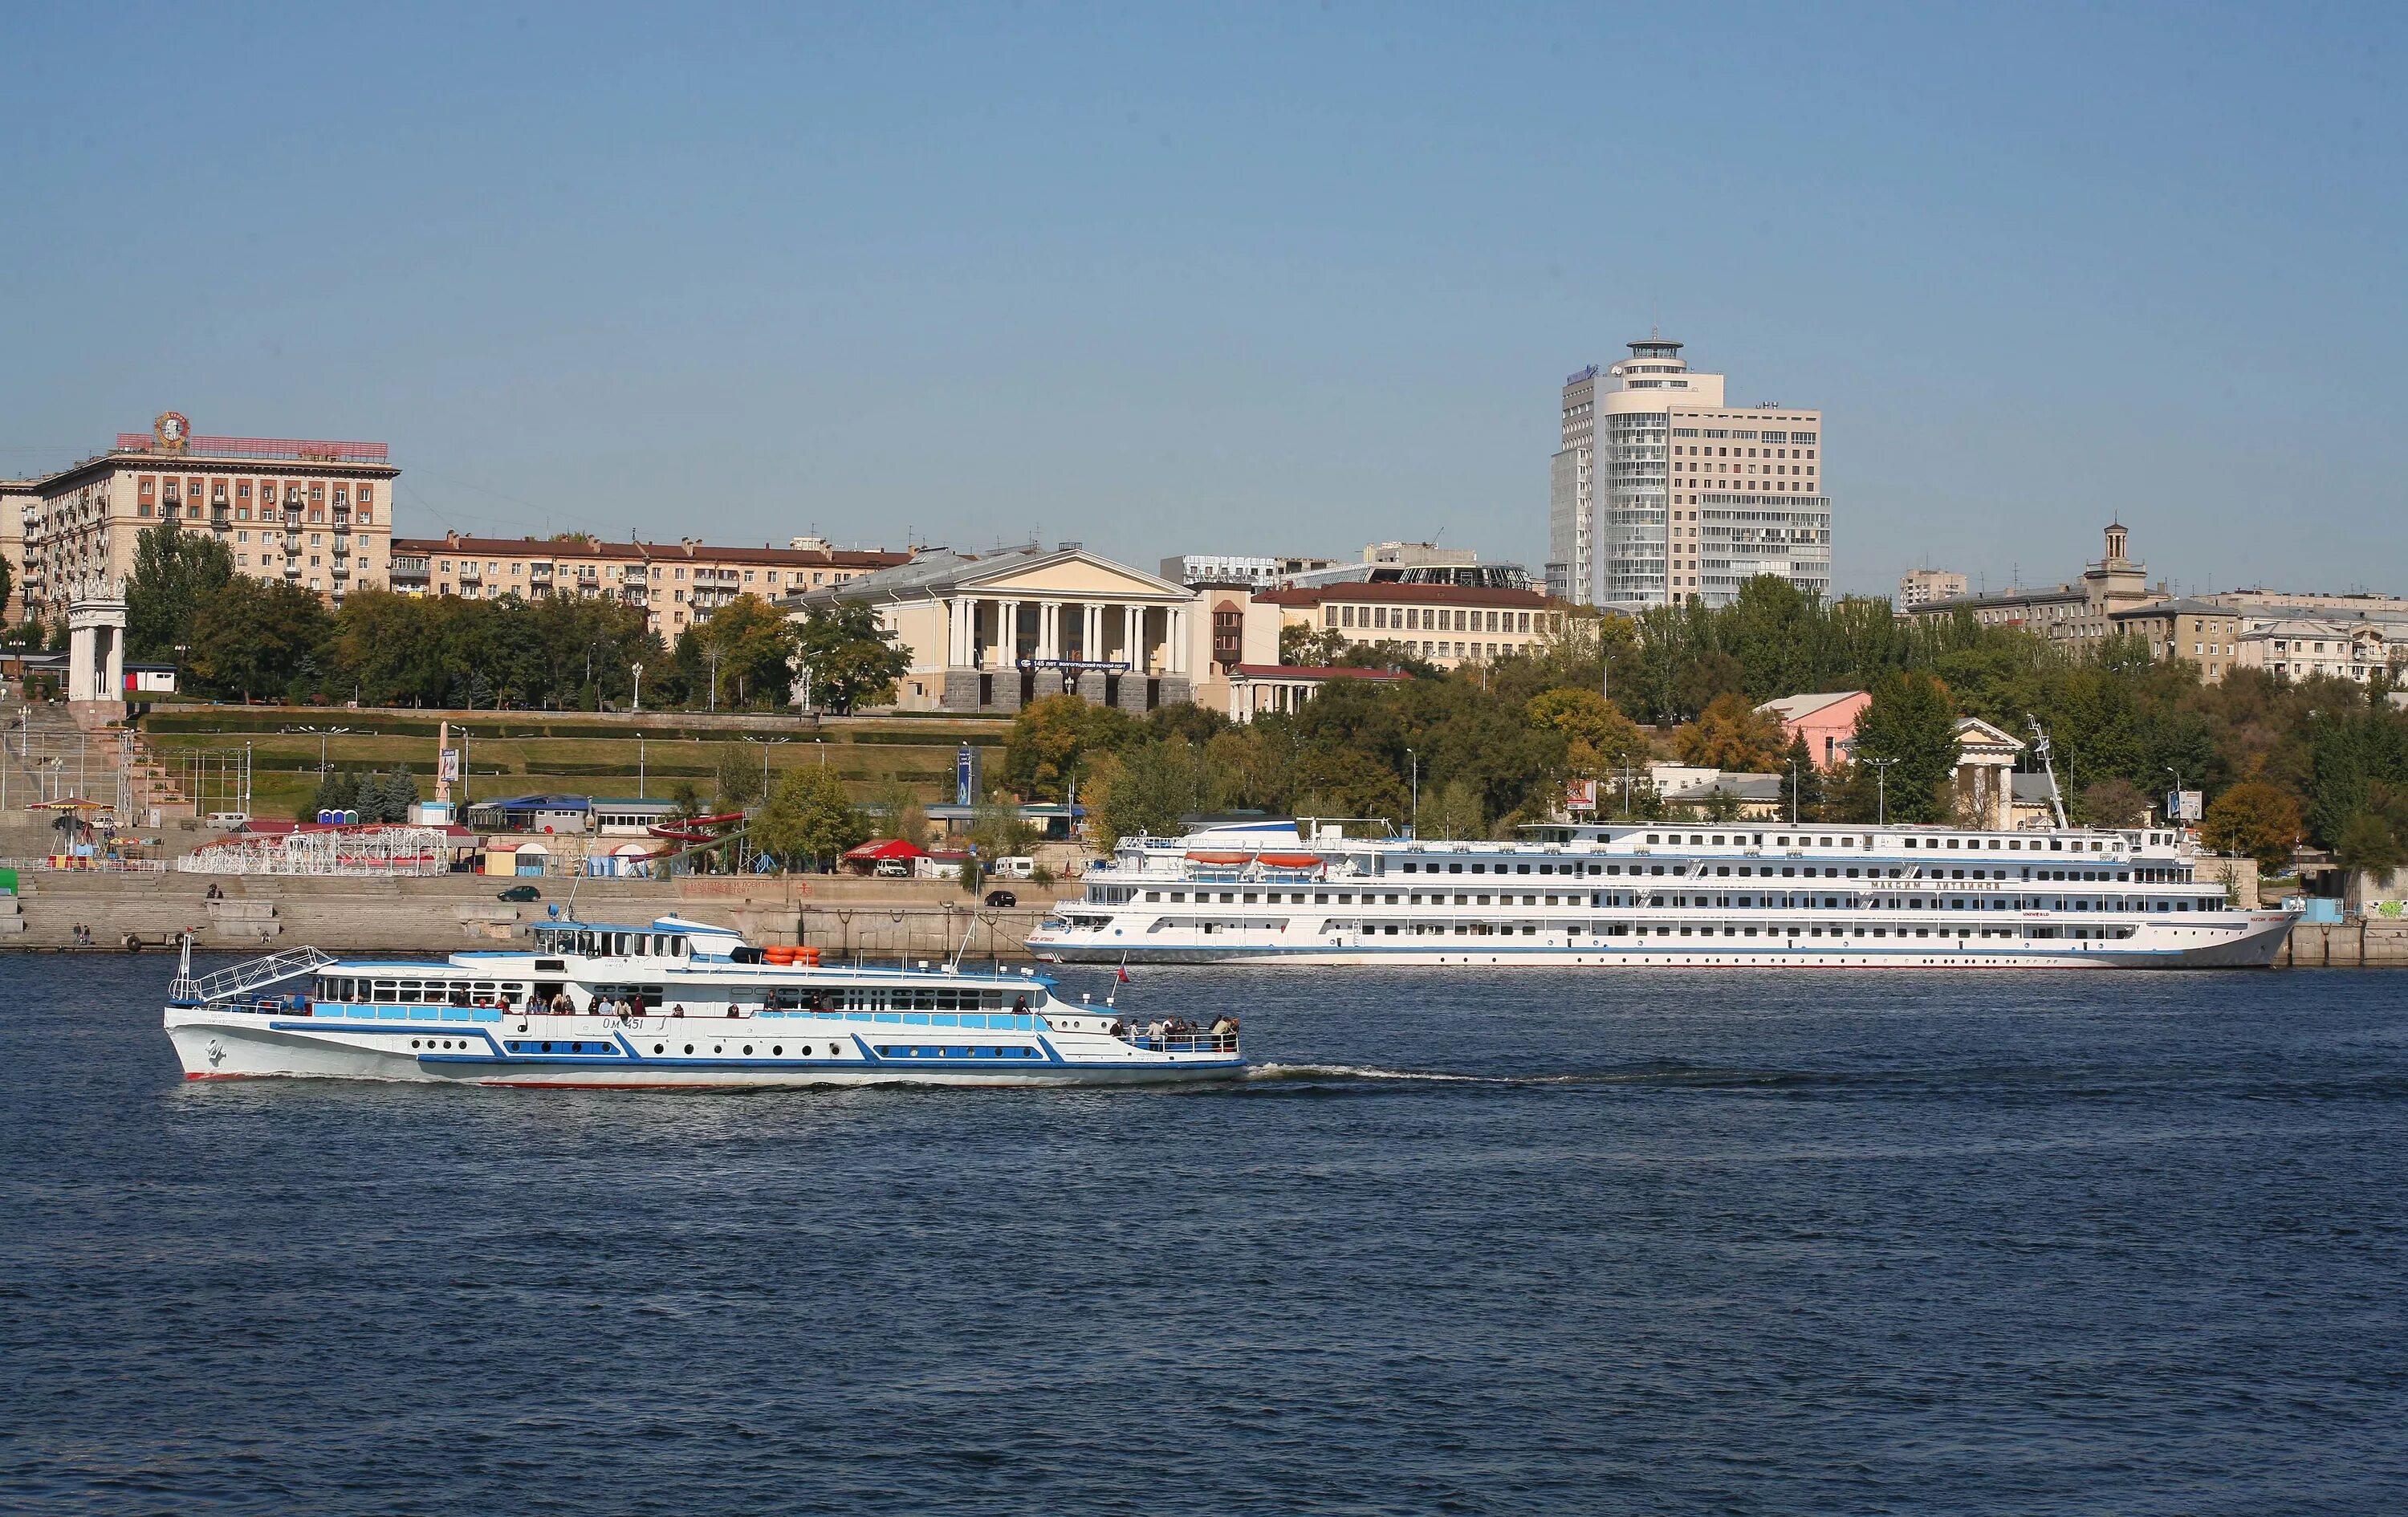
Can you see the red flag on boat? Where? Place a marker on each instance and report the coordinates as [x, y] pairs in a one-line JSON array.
[[1123, 973]]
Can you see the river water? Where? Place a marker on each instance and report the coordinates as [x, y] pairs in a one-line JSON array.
[[1508, 1242]]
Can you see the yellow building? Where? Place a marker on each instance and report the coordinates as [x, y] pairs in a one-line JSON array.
[[312, 514], [993, 632], [676, 584], [1446, 624]]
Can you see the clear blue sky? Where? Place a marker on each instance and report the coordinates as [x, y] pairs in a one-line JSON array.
[[1280, 279]]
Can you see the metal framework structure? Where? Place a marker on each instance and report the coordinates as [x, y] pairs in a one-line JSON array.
[[328, 850]]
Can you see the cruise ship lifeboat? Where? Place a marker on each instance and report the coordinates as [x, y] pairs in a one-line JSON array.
[[1291, 861], [1218, 858]]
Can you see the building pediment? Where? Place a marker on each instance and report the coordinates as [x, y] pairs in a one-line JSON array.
[[1073, 574], [1974, 733]]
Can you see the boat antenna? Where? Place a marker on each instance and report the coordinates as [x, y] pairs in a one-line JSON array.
[[2040, 746], [967, 934], [568, 913]]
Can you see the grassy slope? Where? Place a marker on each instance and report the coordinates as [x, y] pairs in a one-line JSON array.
[[867, 754]]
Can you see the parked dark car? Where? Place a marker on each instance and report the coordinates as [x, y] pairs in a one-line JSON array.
[[1001, 897], [520, 893]]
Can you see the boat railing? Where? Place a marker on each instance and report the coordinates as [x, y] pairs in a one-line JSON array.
[[1200, 1041], [252, 974]]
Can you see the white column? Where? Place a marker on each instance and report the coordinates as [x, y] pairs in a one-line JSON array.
[[1007, 614], [1095, 645], [1174, 621]]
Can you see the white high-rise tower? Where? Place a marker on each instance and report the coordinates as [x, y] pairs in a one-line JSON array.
[[1662, 492]]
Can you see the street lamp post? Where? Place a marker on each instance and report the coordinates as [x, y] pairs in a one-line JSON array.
[[712, 651], [1880, 790], [638, 671], [1417, 791]]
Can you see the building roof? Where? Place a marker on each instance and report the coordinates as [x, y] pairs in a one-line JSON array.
[[1316, 671], [2188, 605], [887, 848], [536, 803], [939, 571], [1798, 707], [682, 552], [1405, 594], [2004, 599]]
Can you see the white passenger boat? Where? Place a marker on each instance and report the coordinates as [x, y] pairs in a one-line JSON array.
[[1664, 894], [673, 1003]]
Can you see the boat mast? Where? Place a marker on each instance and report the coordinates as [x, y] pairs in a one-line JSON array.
[[2040, 746]]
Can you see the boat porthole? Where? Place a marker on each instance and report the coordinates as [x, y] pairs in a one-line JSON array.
[[719, 1047], [547, 1048], [747, 1050], [689, 1048], [413, 1042], [778, 1050], [660, 1048]]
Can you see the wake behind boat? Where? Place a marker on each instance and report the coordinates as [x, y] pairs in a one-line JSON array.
[[670, 1004]]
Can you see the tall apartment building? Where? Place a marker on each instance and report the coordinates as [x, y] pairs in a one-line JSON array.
[[315, 515], [1661, 491]]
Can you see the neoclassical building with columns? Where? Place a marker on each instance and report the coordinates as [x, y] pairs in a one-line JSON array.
[[992, 632]]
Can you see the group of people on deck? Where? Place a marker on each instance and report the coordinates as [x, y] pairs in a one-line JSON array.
[[1162, 1030]]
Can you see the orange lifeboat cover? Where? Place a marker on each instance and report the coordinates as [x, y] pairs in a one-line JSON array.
[[1291, 861]]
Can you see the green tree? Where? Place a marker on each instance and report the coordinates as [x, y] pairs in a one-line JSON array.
[[2114, 802], [2370, 841], [1457, 813], [747, 647], [853, 661], [250, 635], [901, 813], [736, 770], [1310, 646], [1912, 723], [174, 572], [1146, 791], [1802, 783], [400, 793], [808, 817]]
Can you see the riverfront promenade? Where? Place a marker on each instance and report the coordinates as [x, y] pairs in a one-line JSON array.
[[445, 913]]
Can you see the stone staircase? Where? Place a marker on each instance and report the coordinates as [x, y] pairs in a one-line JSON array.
[[50, 756]]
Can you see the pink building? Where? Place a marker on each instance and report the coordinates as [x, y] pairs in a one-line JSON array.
[[1827, 721]]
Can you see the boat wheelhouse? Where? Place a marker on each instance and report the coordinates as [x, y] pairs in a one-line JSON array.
[[673, 1004], [1664, 894]]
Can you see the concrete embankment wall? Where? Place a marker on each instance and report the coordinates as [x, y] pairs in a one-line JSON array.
[[2357, 944], [446, 913]]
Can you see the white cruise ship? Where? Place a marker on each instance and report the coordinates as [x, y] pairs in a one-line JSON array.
[[1663, 894], [670, 1004]]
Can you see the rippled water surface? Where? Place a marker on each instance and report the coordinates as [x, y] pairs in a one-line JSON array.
[[1479, 1242]]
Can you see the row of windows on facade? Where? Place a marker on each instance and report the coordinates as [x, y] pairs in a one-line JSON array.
[[637, 571], [1792, 437], [295, 494], [1418, 618]]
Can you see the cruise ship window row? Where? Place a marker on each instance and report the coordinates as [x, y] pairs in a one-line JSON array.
[[1860, 930], [1678, 868]]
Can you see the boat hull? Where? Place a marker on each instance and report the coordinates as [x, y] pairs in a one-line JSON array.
[[214, 1044], [2257, 947]]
